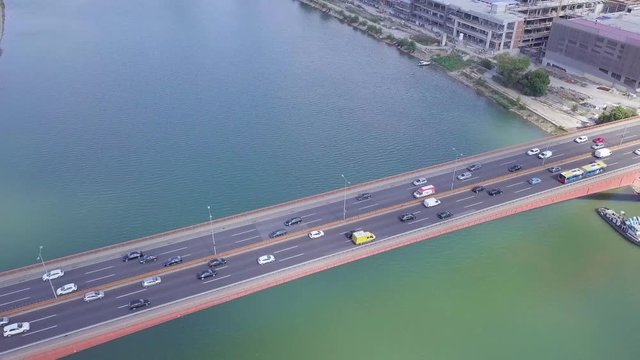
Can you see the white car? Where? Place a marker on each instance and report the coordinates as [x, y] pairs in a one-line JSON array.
[[93, 295], [419, 181], [597, 146], [316, 234], [534, 151], [67, 289], [636, 151], [265, 259], [465, 175], [4, 321], [545, 154], [15, 329], [155, 280], [53, 274], [581, 139]]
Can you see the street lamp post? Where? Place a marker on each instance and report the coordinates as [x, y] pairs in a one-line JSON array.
[[344, 202], [45, 270], [543, 159], [213, 239], [455, 163], [623, 133]]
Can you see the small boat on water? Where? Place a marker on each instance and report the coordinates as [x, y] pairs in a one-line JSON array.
[[627, 227], [424, 63]]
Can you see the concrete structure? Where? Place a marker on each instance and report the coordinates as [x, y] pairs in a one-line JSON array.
[[605, 48]]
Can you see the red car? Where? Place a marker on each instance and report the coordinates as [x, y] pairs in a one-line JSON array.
[[598, 140]]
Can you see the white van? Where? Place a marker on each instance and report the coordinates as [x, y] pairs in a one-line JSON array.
[[424, 191], [431, 202], [602, 153]]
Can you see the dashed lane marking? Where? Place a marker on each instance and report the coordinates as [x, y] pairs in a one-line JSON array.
[[15, 292], [468, 206], [521, 190], [244, 232], [289, 248], [415, 221], [247, 239], [312, 221], [11, 302], [100, 278], [216, 279], [93, 271], [37, 331], [291, 257], [44, 318], [508, 162], [174, 250], [131, 293], [368, 206], [467, 198], [516, 184]]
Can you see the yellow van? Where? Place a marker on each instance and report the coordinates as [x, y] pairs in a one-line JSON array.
[[362, 237]]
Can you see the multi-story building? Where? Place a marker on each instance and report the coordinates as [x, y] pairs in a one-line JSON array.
[[605, 47]]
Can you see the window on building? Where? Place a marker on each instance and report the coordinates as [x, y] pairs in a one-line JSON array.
[[630, 82], [604, 70], [616, 76]]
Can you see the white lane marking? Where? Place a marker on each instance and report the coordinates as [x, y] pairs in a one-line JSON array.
[[415, 221], [221, 267], [13, 292], [630, 136], [131, 293], [312, 221], [302, 216], [100, 278], [121, 306], [291, 257], [216, 279], [508, 162], [516, 184], [37, 331], [244, 232], [521, 190], [468, 206], [174, 250], [44, 318], [368, 206], [247, 239], [93, 271], [467, 198], [289, 248], [471, 178], [615, 163], [557, 155], [185, 255], [11, 302], [417, 211]]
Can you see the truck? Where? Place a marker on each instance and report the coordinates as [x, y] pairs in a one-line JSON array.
[[362, 237], [602, 153]]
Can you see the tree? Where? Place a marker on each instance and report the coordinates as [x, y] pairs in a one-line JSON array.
[[486, 63], [535, 83], [511, 68], [617, 113]]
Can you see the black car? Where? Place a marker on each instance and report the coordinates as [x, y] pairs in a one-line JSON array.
[[217, 262], [207, 273], [138, 303], [148, 259], [172, 261], [349, 233], [132, 255], [554, 169], [363, 196], [445, 215], [478, 189], [474, 167], [293, 221], [279, 232], [407, 217], [494, 192], [515, 168]]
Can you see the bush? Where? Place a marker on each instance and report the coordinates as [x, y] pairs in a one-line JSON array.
[[535, 83], [511, 68], [487, 64], [451, 62], [617, 113]]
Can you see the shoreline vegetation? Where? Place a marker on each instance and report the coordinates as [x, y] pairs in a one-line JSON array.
[[423, 47]]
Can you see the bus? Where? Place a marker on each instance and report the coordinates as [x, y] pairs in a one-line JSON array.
[[576, 174], [594, 168]]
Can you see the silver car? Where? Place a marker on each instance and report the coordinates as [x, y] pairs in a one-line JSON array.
[[151, 281], [465, 175], [93, 295], [4, 321]]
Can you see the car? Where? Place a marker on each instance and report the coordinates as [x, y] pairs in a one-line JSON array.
[[207, 274], [138, 303], [53, 274], [407, 217], [316, 234], [363, 196], [67, 289], [478, 189], [598, 140], [93, 295], [597, 146], [465, 175], [515, 168], [554, 169], [534, 180], [147, 259], [265, 259], [545, 154], [132, 255], [277, 233], [636, 151], [534, 151], [172, 261], [154, 280], [474, 167], [581, 139], [444, 215], [349, 233], [4, 321], [419, 181], [494, 192], [293, 221], [217, 262], [15, 329]]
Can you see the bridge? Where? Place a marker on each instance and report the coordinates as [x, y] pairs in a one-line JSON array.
[[66, 324]]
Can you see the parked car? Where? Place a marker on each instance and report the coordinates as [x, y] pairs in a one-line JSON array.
[[53, 274], [465, 175], [545, 154], [277, 233], [581, 139], [154, 280], [138, 303], [265, 259], [515, 168], [217, 262], [172, 261], [597, 146], [534, 180], [207, 274], [316, 234], [419, 181], [15, 329], [598, 140], [363, 196], [93, 295], [293, 221], [478, 189], [66, 289], [534, 151], [474, 167], [554, 169], [445, 215], [494, 192], [132, 255], [407, 217], [148, 258]]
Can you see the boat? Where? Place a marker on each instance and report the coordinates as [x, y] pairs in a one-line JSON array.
[[424, 63], [627, 227]]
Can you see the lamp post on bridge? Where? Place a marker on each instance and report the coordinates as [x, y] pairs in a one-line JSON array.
[[623, 133], [344, 201], [55, 296], [455, 163], [213, 239]]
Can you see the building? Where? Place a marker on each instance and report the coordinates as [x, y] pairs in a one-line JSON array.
[[605, 47]]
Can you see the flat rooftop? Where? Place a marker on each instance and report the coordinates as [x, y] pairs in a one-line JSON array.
[[614, 25], [482, 8]]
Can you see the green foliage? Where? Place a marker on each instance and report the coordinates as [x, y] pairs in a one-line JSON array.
[[535, 83], [376, 30], [451, 62], [353, 19], [487, 64], [341, 13], [407, 45], [617, 113], [363, 23], [511, 68], [392, 39]]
